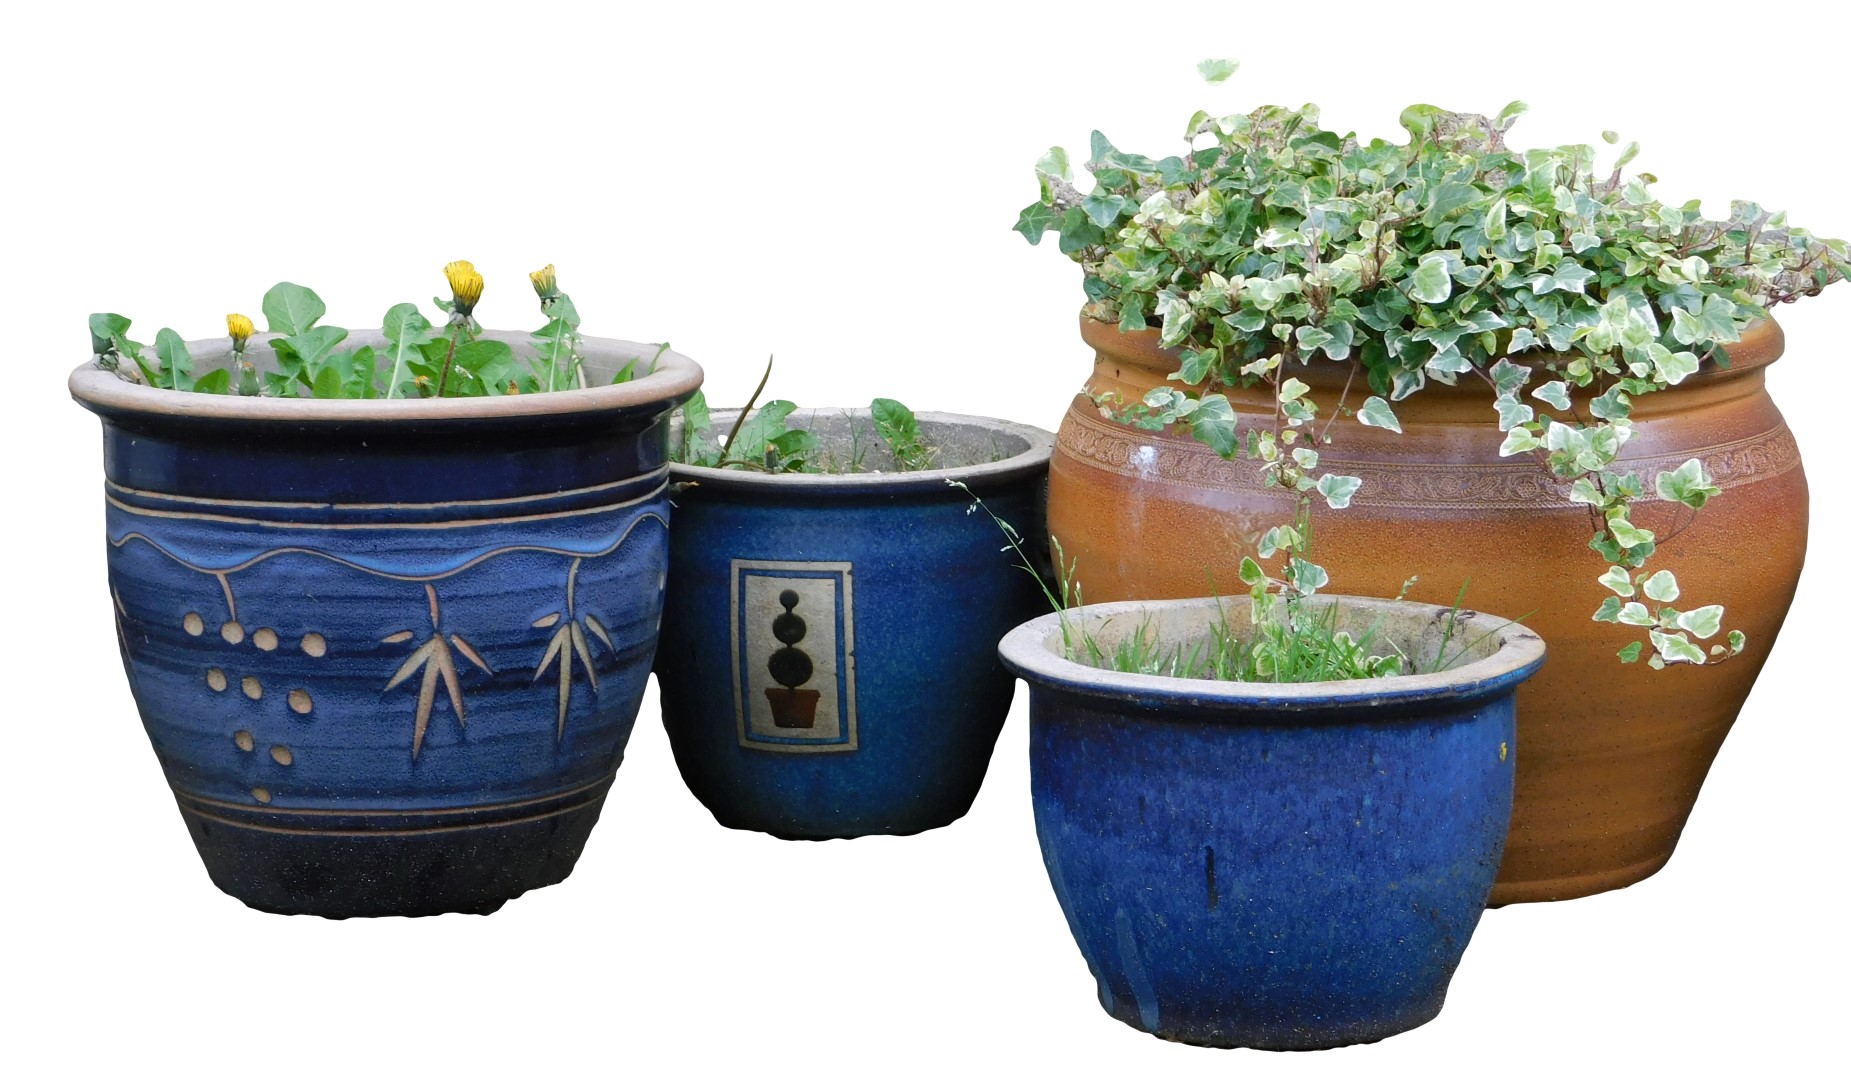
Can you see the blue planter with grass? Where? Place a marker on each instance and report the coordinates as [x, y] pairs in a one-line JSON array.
[[388, 652], [1285, 867], [828, 658]]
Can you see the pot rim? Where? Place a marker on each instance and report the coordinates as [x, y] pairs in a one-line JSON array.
[[1761, 344], [674, 378], [1031, 650], [1030, 461]]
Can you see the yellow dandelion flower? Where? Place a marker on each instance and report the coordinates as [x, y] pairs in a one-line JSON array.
[[465, 285], [545, 282], [241, 328]]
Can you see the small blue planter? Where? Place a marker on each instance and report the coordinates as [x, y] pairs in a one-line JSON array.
[[1286, 867], [388, 652], [828, 663]]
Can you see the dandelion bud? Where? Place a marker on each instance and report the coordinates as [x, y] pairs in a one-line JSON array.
[[241, 328], [465, 285], [545, 282]]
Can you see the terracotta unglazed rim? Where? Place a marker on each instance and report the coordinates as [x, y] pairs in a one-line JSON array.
[[1030, 461], [1033, 651], [675, 377], [1761, 344]]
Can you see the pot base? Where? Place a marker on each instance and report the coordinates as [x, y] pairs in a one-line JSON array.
[[341, 864], [1279, 1037], [1575, 886]]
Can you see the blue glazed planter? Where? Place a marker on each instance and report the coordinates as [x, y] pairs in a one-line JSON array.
[[1286, 867], [828, 663], [388, 652]]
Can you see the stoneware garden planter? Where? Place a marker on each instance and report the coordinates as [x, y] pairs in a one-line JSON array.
[[828, 663], [1607, 780], [1287, 867], [388, 652]]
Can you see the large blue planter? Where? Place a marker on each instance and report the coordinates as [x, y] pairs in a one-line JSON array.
[[388, 652], [828, 663], [1285, 867]]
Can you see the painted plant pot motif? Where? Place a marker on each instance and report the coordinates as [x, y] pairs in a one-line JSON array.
[[791, 705], [828, 663], [388, 653]]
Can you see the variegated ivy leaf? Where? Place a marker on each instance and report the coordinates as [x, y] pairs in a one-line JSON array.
[[1633, 613], [1737, 641], [1705, 622], [1212, 423], [1377, 413], [1431, 283], [1689, 483], [1509, 377], [1278, 538], [1406, 383], [1587, 493], [1552, 393], [1617, 579], [1626, 533], [1308, 577], [1292, 389], [1338, 490], [1676, 648], [1217, 71], [1609, 610], [1672, 367], [1520, 440], [1512, 412], [1307, 459], [1250, 571], [1523, 339], [1661, 587], [1630, 653], [1054, 163]]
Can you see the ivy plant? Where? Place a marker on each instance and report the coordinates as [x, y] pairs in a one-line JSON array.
[[420, 358], [1561, 284]]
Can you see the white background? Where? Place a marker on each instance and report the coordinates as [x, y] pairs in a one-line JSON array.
[[836, 186]]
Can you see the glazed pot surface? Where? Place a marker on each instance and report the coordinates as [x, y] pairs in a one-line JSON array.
[[388, 653], [1613, 755], [1279, 867], [828, 662]]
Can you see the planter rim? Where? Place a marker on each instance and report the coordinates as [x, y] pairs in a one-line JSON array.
[[675, 378], [1761, 344], [1032, 651], [1030, 461]]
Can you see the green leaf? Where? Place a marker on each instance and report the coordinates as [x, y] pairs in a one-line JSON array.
[[405, 329], [1250, 571], [1630, 653], [1217, 71], [1377, 413], [1737, 641], [1609, 610], [291, 308], [214, 382], [1338, 490], [1212, 423], [1661, 587], [176, 362], [105, 328], [1035, 219], [328, 383], [487, 361], [1431, 283], [1103, 210]]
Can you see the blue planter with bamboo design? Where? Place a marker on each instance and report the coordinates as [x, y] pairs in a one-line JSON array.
[[388, 653], [828, 663]]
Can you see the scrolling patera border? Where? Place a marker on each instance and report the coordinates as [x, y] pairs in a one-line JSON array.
[[1176, 459]]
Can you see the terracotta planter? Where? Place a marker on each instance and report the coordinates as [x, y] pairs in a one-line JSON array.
[[1605, 783]]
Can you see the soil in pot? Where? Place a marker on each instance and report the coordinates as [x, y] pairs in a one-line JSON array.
[[828, 659], [1606, 782], [388, 653], [1278, 866]]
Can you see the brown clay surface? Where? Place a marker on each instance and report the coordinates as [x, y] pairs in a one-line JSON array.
[[1610, 756]]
